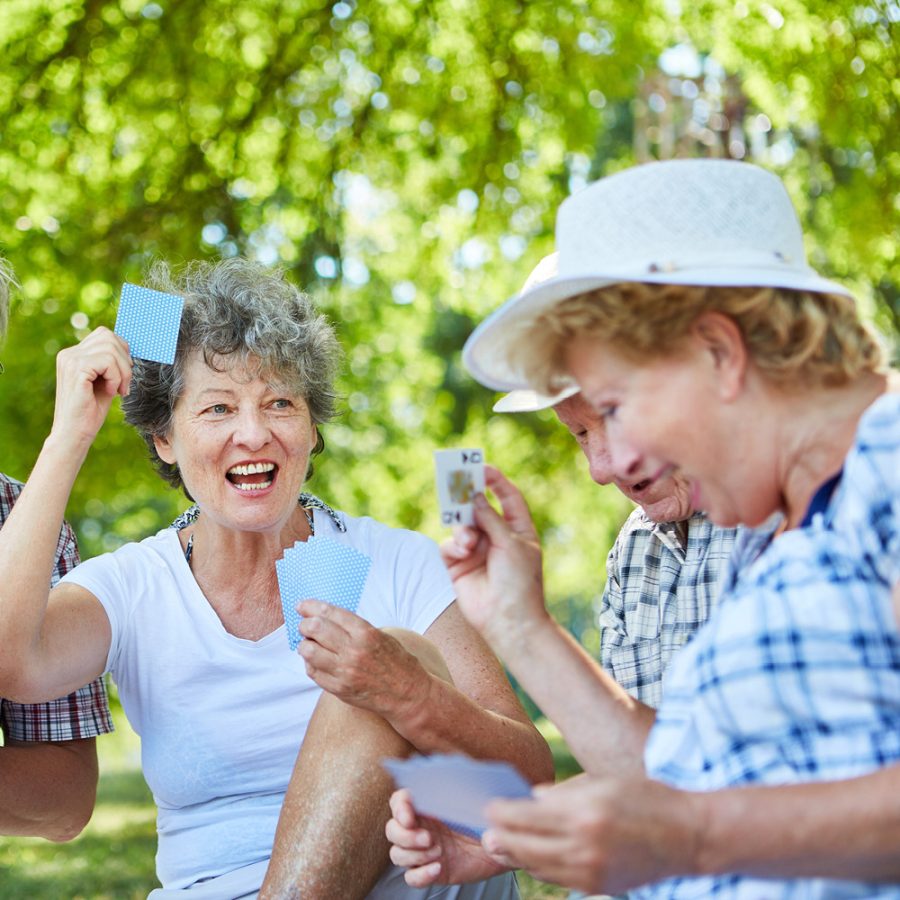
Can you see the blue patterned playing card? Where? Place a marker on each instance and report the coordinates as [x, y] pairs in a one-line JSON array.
[[321, 569], [149, 321]]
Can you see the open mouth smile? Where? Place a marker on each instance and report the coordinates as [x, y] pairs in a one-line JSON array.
[[249, 477]]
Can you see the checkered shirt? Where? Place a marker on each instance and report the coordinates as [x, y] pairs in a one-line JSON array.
[[84, 714], [658, 592], [796, 677]]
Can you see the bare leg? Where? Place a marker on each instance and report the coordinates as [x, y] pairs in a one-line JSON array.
[[330, 840]]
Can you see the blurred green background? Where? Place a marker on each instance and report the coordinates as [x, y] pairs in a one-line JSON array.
[[404, 161]]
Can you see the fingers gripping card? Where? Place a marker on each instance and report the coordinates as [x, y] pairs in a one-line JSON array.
[[149, 322], [460, 476], [455, 788]]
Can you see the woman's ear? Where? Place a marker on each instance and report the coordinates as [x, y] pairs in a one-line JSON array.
[[720, 337], [164, 448]]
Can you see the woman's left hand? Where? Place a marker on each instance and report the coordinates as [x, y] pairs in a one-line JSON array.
[[358, 663]]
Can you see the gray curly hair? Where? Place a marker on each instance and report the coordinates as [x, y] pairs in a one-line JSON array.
[[243, 314]]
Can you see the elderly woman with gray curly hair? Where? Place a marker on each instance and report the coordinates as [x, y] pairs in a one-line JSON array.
[[190, 623]]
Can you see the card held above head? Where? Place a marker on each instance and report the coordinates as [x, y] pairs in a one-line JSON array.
[[149, 321]]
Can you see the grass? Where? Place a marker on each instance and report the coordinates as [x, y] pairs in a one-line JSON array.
[[113, 859]]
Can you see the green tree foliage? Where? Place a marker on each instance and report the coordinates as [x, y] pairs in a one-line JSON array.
[[403, 161]]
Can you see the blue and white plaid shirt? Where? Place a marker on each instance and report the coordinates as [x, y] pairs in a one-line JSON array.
[[796, 677], [660, 588]]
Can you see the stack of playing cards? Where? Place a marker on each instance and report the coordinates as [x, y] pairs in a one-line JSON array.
[[460, 476], [455, 789], [149, 322], [319, 569]]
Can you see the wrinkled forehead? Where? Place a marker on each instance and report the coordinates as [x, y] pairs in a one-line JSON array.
[[225, 372]]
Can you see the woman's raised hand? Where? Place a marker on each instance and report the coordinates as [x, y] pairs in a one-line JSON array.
[[88, 377], [496, 565]]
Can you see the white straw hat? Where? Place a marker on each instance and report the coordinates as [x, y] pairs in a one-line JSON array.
[[689, 221]]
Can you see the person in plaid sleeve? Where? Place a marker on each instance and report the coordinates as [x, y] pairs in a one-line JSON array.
[[662, 573], [688, 317], [48, 761]]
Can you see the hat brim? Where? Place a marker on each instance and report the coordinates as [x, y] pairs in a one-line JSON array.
[[488, 350], [531, 401]]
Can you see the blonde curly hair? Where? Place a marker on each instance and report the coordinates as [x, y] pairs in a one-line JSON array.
[[794, 337]]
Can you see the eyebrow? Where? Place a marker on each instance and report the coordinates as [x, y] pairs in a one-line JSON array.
[[206, 392]]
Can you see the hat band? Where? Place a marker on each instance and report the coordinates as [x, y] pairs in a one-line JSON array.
[[637, 268]]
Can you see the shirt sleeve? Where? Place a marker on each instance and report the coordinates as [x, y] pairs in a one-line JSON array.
[[83, 714], [105, 578], [413, 582], [632, 659], [66, 554]]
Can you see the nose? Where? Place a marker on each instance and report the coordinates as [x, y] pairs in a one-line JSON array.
[[596, 449], [251, 429], [625, 459]]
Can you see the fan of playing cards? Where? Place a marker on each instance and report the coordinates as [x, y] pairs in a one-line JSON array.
[[319, 569]]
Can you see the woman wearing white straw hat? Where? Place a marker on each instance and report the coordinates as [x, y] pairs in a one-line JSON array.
[[685, 311]]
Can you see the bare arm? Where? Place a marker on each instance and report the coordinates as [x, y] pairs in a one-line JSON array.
[[496, 569], [480, 695], [47, 789], [388, 691], [841, 829], [45, 656], [372, 669]]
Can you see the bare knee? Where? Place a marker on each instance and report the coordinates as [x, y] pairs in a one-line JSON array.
[[423, 650]]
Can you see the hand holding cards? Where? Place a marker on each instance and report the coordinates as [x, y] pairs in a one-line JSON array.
[[455, 788], [460, 476]]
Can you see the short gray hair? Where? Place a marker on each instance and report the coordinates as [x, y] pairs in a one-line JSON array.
[[242, 312], [7, 279]]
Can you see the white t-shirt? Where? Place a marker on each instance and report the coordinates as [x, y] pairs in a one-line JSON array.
[[221, 718]]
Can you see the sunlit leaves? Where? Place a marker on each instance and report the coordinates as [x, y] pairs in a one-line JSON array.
[[404, 160]]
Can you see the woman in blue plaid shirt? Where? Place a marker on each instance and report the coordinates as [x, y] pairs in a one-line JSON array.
[[686, 312]]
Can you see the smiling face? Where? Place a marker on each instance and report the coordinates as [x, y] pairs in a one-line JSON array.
[[242, 446], [681, 418], [665, 499]]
